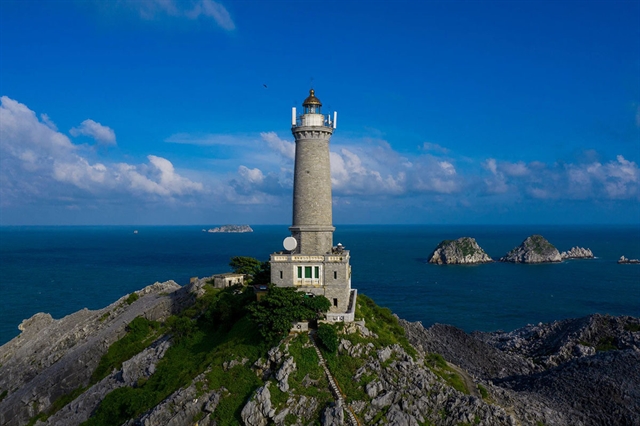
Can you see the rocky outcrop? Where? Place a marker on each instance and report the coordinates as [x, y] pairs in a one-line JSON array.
[[577, 371], [577, 253], [52, 358], [464, 250], [140, 366], [624, 260], [231, 229], [534, 249]]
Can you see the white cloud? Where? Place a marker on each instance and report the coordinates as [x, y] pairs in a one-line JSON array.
[[150, 9], [102, 134], [434, 147], [40, 163], [617, 179], [285, 148]]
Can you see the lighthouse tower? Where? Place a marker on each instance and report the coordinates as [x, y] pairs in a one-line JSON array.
[[310, 262]]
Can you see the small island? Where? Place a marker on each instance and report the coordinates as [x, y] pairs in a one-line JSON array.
[[534, 249], [236, 229], [624, 261], [464, 250], [577, 253]]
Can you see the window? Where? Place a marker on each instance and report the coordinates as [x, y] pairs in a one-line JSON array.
[[307, 272], [335, 302], [280, 274], [335, 275], [317, 272], [300, 272]]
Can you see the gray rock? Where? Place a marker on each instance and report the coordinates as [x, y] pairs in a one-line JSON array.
[[282, 375], [51, 358], [534, 249], [333, 415], [577, 253], [258, 410], [464, 250]]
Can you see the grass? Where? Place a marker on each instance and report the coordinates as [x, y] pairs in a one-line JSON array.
[[132, 298], [632, 327], [204, 345], [439, 366], [483, 392], [140, 334], [606, 344], [382, 322]]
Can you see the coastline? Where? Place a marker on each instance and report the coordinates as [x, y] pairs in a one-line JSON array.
[[64, 269]]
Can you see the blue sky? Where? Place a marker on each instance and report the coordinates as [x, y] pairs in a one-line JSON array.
[[156, 111]]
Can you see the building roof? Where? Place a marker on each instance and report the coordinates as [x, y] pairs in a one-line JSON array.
[[312, 100]]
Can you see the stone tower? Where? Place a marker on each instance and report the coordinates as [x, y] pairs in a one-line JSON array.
[[310, 262]]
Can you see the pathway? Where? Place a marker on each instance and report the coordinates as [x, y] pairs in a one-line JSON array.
[[333, 384]]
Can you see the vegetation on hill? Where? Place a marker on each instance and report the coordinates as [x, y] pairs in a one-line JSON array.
[[281, 307], [257, 272]]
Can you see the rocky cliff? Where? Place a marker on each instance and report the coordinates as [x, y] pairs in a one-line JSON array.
[[577, 253], [464, 250], [205, 366], [573, 372], [534, 249]]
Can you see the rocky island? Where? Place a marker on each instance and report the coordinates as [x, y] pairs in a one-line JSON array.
[[623, 260], [171, 355], [577, 253], [231, 229], [534, 249], [464, 250]]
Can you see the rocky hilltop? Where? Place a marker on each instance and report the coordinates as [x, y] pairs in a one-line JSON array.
[[573, 372], [534, 249], [171, 355], [577, 253], [231, 229], [464, 250]]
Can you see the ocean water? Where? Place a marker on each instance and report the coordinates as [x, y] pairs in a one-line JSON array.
[[60, 270]]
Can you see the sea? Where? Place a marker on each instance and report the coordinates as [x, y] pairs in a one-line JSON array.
[[60, 270]]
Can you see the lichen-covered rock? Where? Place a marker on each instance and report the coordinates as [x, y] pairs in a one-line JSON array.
[[464, 250], [577, 253], [535, 249]]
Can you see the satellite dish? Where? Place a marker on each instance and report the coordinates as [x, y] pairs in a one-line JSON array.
[[290, 243]]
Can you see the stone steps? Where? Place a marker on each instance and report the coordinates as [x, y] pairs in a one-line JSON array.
[[333, 384]]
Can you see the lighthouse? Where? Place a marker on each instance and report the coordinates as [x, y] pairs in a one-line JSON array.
[[310, 262]]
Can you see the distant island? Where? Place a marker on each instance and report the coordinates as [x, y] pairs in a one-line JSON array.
[[534, 249], [230, 229]]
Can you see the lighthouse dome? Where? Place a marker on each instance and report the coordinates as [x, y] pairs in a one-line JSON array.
[[311, 100]]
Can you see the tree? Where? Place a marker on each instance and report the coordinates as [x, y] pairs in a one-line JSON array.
[[245, 265], [328, 337], [281, 307], [263, 276]]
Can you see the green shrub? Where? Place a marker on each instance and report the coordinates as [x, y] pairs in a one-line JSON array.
[[328, 337], [132, 298]]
